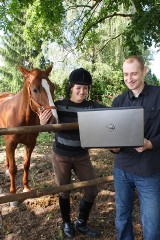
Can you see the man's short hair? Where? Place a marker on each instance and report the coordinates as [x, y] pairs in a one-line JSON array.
[[133, 58]]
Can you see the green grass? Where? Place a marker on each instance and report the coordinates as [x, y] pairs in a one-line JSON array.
[[43, 139], [1, 142]]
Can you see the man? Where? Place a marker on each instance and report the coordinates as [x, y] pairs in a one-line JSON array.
[[139, 168]]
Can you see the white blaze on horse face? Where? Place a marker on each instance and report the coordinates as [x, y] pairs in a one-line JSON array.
[[51, 103]]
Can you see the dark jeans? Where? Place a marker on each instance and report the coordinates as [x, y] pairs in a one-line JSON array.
[[82, 167]]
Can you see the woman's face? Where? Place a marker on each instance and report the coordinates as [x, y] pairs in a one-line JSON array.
[[79, 93]]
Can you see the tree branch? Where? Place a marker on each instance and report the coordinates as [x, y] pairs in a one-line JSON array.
[[137, 6], [101, 49], [88, 28]]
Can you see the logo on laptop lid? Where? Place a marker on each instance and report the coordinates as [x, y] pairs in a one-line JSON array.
[[110, 127]]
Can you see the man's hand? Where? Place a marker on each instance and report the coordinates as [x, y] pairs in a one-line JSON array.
[[45, 116], [147, 145]]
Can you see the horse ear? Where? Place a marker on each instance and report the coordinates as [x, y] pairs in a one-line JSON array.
[[48, 70], [23, 70]]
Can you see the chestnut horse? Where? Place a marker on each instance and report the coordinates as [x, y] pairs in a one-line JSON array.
[[23, 109]]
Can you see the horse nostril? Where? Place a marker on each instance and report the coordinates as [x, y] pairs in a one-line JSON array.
[[41, 108]]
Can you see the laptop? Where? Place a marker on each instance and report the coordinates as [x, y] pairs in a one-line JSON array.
[[111, 127]]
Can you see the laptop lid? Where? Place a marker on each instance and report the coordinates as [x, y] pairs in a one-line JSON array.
[[111, 127]]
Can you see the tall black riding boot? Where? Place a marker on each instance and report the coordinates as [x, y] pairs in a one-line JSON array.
[[68, 228], [81, 223]]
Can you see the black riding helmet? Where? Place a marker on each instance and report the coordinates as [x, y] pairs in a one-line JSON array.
[[80, 76]]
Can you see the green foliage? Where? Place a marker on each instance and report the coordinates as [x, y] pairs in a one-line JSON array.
[[63, 90], [43, 21], [144, 28], [96, 35], [152, 79], [142, 21], [15, 51], [45, 15], [9, 73], [107, 86]]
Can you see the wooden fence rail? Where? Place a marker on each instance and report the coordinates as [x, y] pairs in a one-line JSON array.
[[38, 128], [52, 190]]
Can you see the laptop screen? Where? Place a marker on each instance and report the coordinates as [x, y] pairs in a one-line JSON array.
[[111, 127]]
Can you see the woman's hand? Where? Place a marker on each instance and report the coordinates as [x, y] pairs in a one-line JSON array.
[[45, 116]]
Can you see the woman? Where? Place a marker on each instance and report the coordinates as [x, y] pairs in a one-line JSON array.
[[68, 153]]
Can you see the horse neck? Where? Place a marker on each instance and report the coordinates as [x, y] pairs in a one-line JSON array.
[[28, 113]]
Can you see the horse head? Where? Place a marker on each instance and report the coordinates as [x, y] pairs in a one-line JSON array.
[[40, 90]]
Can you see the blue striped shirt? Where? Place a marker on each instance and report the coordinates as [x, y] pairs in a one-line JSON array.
[[67, 143]]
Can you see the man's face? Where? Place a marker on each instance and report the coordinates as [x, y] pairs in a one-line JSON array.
[[133, 75]]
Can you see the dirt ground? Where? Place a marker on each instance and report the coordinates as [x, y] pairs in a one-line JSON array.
[[39, 218]]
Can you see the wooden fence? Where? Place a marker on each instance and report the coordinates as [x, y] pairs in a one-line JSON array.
[[38, 128], [51, 190]]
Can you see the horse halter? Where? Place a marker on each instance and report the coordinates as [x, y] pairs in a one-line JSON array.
[[40, 107]]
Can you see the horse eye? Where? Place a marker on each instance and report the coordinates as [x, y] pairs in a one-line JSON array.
[[35, 90]]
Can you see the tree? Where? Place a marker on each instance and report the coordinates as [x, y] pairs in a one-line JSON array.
[[45, 20], [150, 78], [97, 34], [15, 51], [142, 17], [42, 19]]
